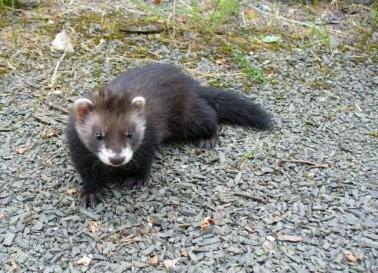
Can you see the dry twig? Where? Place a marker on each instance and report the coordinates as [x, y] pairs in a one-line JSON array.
[[55, 74], [143, 31], [249, 196], [57, 107], [305, 162], [290, 20]]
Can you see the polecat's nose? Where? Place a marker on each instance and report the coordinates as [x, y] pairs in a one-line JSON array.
[[117, 160]]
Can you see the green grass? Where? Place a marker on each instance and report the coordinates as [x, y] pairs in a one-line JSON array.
[[225, 10], [9, 3], [3, 71], [322, 34], [209, 16], [253, 73], [212, 29], [249, 155], [374, 134]]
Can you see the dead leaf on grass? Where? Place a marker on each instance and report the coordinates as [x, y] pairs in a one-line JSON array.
[[62, 42], [52, 133], [222, 62], [250, 14]]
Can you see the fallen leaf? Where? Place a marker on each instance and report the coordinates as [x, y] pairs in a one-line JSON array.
[[219, 61], [250, 14], [267, 246], [129, 239], [170, 264], [151, 221], [51, 133], [54, 133], [290, 11], [271, 39], [224, 64], [183, 252], [84, 261], [289, 238], [22, 150], [206, 222], [72, 191], [154, 261], [93, 226], [219, 215], [250, 230], [62, 42], [13, 262], [350, 256]]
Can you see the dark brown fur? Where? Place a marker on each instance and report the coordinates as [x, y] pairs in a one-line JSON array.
[[177, 108]]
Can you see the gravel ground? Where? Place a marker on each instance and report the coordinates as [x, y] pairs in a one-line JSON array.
[[271, 212]]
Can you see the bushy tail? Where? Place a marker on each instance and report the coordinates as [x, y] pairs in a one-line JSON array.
[[233, 108]]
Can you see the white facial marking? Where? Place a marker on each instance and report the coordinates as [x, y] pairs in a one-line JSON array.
[[105, 155], [127, 153]]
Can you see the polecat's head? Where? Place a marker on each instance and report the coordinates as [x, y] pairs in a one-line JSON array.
[[110, 127]]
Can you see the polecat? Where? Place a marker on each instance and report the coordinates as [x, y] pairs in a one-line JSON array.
[[114, 133]]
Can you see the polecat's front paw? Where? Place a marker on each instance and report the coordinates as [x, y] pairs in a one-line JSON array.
[[207, 143], [90, 197], [135, 182]]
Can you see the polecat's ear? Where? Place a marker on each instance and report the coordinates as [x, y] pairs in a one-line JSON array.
[[82, 107], [138, 104]]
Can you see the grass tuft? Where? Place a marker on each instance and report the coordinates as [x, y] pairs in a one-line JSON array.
[[253, 73], [222, 31]]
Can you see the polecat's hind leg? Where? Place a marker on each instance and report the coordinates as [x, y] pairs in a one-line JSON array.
[[135, 182], [207, 143], [201, 128]]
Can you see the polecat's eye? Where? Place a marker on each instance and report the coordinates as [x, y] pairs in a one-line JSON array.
[[129, 135], [99, 136]]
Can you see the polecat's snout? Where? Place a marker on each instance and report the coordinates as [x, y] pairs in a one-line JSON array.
[[112, 158]]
